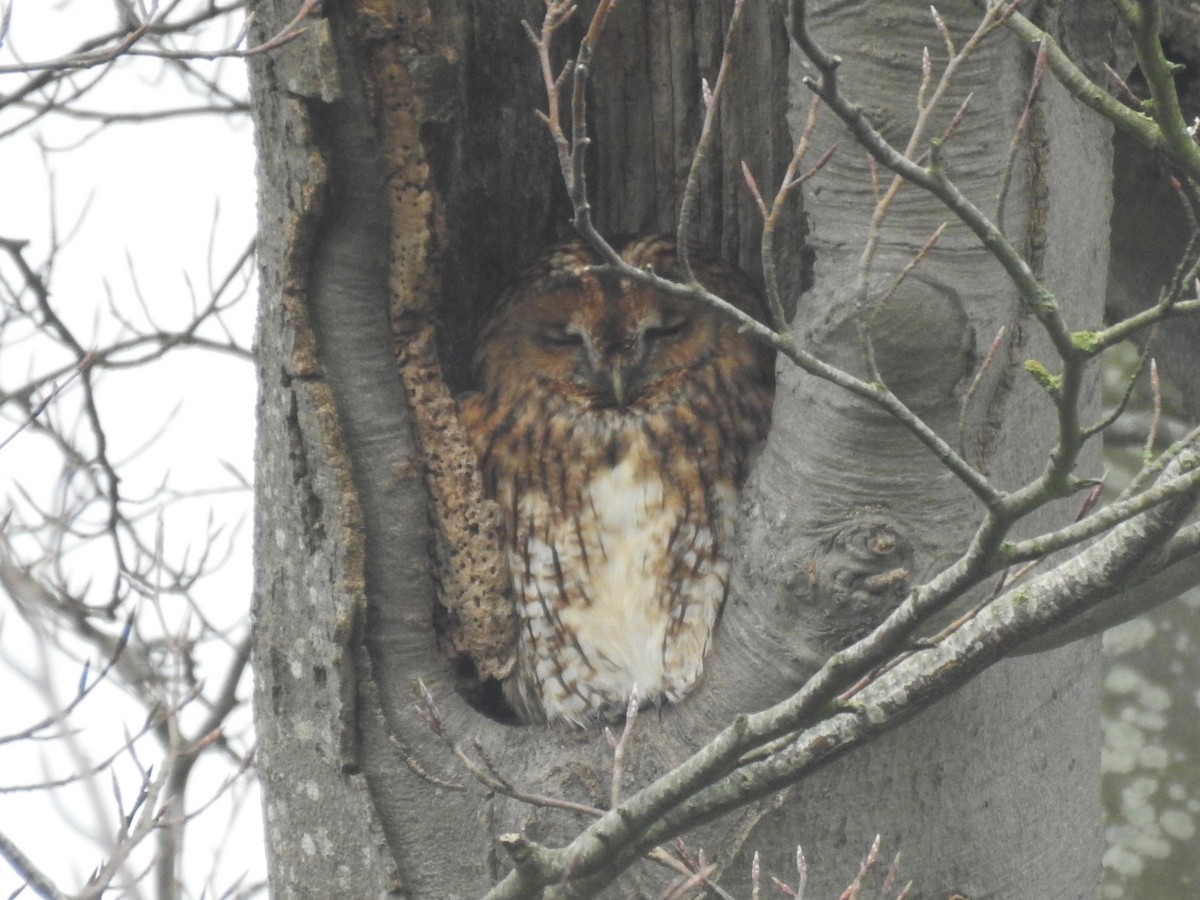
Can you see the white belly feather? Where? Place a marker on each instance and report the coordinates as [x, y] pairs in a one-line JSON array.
[[624, 592], [623, 631]]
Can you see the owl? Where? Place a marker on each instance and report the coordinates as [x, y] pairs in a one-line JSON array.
[[614, 426]]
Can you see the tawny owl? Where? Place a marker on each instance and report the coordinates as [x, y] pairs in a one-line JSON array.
[[614, 428]]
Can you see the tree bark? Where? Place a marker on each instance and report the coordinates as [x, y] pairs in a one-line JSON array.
[[985, 792]]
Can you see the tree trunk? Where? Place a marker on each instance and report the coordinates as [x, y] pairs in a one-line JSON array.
[[995, 790]]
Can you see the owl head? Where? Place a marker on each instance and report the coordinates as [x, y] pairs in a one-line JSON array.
[[601, 342]]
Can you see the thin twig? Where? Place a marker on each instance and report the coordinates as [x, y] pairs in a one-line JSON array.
[[1156, 417], [792, 179], [912, 264], [620, 745], [988, 359], [711, 101], [126, 45], [56, 388], [432, 716], [927, 105], [34, 878], [1130, 384], [1021, 131], [1166, 132], [557, 14]]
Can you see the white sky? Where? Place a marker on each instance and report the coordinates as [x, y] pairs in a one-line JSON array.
[[160, 209]]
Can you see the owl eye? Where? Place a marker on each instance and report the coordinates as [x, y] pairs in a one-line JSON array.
[[561, 337], [668, 329]]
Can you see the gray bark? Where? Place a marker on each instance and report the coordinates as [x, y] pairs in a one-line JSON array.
[[993, 791], [1150, 228]]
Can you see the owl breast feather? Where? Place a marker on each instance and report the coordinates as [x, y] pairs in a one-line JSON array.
[[622, 588]]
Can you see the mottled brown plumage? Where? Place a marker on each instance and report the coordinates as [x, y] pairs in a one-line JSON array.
[[614, 427]]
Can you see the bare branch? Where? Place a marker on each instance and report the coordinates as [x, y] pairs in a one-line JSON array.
[[711, 102], [153, 25], [35, 879], [619, 746], [55, 389]]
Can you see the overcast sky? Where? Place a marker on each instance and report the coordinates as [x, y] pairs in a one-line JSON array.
[[155, 213]]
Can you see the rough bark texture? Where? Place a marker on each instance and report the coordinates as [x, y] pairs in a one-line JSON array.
[[315, 250], [994, 791]]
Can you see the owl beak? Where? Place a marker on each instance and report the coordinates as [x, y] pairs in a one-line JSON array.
[[616, 380], [612, 385]]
